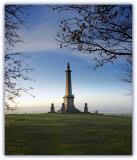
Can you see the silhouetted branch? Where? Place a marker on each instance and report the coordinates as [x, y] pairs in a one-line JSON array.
[[15, 68], [104, 31]]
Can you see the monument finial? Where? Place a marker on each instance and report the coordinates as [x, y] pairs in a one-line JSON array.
[[68, 66]]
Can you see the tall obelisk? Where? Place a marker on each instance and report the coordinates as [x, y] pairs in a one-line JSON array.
[[68, 98]]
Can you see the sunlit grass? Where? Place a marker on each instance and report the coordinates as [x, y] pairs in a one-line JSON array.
[[68, 134]]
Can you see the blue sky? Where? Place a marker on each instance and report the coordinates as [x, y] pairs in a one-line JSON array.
[[101, 89]]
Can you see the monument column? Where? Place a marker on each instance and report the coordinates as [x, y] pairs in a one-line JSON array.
[[68, 81], [68, 98]]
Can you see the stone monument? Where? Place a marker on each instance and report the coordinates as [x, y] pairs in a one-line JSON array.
[[52, 109], [69, 97], [86, 108], [63, 109]]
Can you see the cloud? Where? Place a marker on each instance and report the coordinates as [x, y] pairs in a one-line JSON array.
[[36, 46], [37, 39]]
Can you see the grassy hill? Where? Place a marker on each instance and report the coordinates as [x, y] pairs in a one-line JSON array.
[[67, 134]]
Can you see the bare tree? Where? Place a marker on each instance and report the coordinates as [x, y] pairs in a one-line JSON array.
[[15, 18], [15, 68], [104, 32], [127, 77]]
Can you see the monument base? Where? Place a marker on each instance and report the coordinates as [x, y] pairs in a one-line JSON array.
[[73, 110]]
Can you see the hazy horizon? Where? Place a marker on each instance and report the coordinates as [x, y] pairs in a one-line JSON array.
[[46, 109]]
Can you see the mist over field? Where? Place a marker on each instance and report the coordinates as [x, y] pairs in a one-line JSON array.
[[104, 110]]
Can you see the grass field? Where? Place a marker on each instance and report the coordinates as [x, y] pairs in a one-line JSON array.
[[67, 134]]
